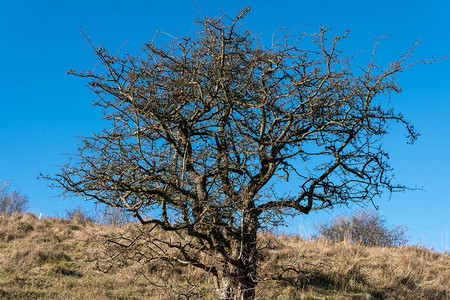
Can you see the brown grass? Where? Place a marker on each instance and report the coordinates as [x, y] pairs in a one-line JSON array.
[[59, 259]]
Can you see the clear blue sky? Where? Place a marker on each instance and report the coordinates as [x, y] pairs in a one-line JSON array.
[[42, 109]]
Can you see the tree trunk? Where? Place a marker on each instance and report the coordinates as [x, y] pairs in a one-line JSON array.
[[238, 280], [237, 287]]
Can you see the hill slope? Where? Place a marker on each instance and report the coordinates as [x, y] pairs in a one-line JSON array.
[[60, 259]]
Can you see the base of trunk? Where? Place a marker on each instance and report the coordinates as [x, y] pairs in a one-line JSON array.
[[235, 288]]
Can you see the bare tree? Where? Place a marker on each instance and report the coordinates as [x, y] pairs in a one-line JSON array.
[[202, 130], [11, 201]]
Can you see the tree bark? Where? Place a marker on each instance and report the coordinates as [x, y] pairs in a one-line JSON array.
[[239, 278], [238, 285]]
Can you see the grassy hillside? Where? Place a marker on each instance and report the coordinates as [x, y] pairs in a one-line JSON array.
[[60, 259]]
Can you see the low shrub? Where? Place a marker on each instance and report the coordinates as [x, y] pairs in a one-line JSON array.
[[366, 227], [11, 201], [113, 216], [79, 215]]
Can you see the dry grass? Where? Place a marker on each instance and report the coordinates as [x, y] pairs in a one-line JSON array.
[[58, 259], [322, 270]]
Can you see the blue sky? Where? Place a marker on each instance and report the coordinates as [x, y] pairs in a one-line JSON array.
[[43, 110]]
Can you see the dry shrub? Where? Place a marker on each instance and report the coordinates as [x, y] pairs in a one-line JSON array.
[[11, 201], [112, 216], [365, 227], [79, 215]]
